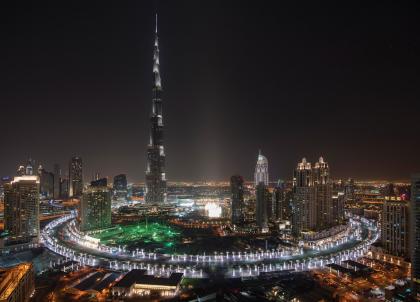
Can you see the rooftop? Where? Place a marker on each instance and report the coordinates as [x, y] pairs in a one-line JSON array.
[[139, 276], [10, 278]]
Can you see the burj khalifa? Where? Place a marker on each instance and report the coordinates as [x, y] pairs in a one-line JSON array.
[[155, 170]]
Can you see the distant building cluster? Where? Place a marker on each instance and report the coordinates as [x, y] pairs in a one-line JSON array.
[[313, 203]]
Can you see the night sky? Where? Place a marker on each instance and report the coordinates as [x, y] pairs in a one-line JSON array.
[[290, 78]]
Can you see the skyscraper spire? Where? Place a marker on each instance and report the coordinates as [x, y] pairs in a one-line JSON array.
[[156, 73], [155, 170]]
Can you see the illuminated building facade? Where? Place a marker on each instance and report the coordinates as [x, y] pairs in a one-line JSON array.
[[237, 190], [317, 203], [395, 225], [303, 205], [415, 233], [261, 170], [17, 283], [95, 206], [21, 208], [155, 169], [262, 203], [75, 177], [120, 186]]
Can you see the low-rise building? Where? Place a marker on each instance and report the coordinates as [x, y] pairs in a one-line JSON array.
[[17, 283], [136, 282]]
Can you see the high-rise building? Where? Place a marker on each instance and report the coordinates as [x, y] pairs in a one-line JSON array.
[[64, 188], [21, 207], [415, 233], [95, 206], [262, 198], [28, 169], [279, 202], [316, 206], [304, 203], [22, 170], [120, 186], [349, 191], [17, 283], [237, 190], [321, 172], [323, 194], [395, 224], [261, 170], [57, 179], [155, 170], [46, 187], [338, 199], [75, 177]]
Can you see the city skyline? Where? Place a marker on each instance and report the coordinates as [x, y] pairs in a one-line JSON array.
[[290, 132], [215, 122]]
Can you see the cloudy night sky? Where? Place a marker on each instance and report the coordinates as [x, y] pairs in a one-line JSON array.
[[291, 78]]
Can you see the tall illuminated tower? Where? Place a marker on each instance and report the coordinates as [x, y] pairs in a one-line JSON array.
[[395, 224], [323, 194], [303, 205], [261, 170], [21, 206], [155, 170]]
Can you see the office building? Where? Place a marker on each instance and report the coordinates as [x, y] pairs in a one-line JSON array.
[[304, 203], [395, 225], [261, 170], [120, 186], [155, 169], [21, 208], [57, 179], [323, 194], [75, 177], [262, 202], [349, 191], [415, 233], [46, 180], [338, 200], [237, 200], [280, 207], [64, 188], [95, 206]]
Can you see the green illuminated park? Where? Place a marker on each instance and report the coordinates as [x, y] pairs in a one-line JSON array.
[[166, 239], [140, 235]]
